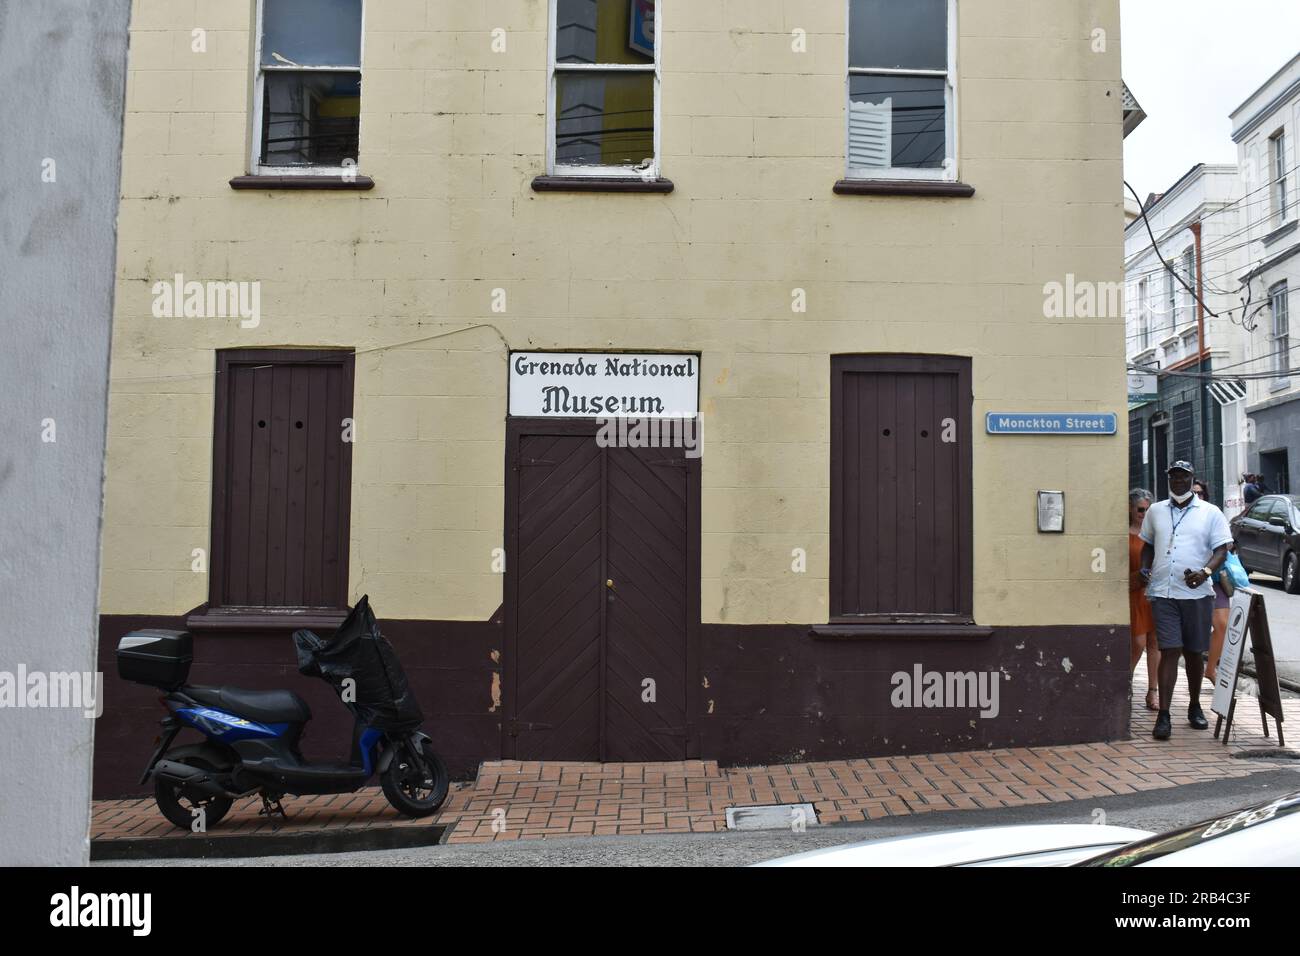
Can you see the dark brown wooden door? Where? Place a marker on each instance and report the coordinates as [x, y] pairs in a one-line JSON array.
[[558, 563], [900, 487], [646, 603], [281, 481], [602, 599]]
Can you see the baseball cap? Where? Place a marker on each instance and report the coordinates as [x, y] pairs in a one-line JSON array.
[[1181, 465]]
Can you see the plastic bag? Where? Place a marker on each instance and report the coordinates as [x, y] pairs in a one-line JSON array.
[[357, 650], [1235, 571]]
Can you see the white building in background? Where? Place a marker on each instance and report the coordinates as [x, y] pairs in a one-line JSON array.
[[1190, 417], [1265, 128]]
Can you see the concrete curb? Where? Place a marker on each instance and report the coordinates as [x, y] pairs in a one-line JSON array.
[[268, 844]]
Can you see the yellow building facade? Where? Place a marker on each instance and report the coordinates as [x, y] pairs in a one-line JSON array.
[[823, 295]]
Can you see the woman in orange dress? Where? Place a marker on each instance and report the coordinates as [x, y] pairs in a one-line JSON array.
[[1142, 628]]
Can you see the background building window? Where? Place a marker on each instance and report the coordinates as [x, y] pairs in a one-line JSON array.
[[1281, 201], [1171, 301], [901, 122], [1189, 276], [308, 96], [604, 97], [1144, 315], [1278, 305]]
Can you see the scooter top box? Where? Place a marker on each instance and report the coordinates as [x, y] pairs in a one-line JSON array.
[[155, 657]]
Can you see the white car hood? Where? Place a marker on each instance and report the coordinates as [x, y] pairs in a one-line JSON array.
[[1056, 845]]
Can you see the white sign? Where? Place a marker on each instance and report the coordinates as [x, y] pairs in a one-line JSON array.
[[1225, 676], [1142, 387], [604, 385]]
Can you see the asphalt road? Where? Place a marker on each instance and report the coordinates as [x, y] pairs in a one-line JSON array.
[[1283, 625], [1152, 810]]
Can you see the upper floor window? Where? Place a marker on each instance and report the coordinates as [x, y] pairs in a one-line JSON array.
[[1144, 315], [901, 104], [1277, 301], [1171, 301], [1277, 158], [307, 102], [604, 94]]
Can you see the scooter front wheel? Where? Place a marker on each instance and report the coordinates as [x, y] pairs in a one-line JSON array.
[[416, 791]]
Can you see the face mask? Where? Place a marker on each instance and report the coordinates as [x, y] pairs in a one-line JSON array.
[[1181, 498]]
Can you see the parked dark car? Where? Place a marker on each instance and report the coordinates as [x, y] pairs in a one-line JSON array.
[[1268, 538]]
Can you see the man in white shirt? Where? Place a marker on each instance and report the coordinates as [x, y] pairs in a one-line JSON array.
[[1186, 542]]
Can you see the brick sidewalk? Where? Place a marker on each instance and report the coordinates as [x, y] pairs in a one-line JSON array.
[[511, 800], [565, 799]]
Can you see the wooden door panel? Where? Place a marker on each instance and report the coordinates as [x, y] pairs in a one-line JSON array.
[[646, 613], [558, 568], [281, 479], [899, 495]]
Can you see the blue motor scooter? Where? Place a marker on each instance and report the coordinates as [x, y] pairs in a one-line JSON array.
[[252, 736]]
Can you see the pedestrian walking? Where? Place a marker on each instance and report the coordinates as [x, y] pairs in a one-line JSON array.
[[1141, 626], [1185, 540]]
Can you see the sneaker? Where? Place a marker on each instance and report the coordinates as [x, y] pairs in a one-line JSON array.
[[1196, 717], [1164, 726]]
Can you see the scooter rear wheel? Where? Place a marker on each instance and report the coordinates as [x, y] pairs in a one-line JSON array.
[[183, 811], [409, 790]]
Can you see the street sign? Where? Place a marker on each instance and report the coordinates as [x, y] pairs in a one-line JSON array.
[[1050, 423], [1225, 684]]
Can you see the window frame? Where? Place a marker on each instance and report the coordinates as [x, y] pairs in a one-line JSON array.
[[948, 172], [1172, 288], [1277, 161], [1189, 275], [1279, 292], [554, 68], [255, 165], [214, 614], [1144, 312]]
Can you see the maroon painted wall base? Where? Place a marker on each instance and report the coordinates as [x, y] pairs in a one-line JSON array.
[[774, 693], [777, 695]]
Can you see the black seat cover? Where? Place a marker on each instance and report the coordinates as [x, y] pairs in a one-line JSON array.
[[267, 706]]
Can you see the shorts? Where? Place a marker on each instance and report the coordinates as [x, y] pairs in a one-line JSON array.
[[1220, 596], [1183, 623]]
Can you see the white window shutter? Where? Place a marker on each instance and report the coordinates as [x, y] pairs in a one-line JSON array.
[[871, 127]]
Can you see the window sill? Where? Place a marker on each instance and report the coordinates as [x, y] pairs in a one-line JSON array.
[[601, 184], [302, 182], [265, 619], [1281, 231], [903, 187], [886, 631]]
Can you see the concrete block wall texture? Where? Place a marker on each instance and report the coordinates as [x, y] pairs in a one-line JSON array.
[[753, 136], [63, 66]]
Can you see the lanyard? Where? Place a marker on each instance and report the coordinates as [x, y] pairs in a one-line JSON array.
[[1176, 522]]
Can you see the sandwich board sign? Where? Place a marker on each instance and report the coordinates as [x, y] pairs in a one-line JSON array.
[[1246, 616]]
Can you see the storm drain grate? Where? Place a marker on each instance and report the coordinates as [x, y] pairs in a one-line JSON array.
[[781, 816], [1275, 753]]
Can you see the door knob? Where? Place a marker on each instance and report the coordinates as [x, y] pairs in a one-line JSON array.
[[610, 584]]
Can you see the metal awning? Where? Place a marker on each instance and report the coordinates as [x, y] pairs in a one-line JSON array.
[[1227, 391]]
